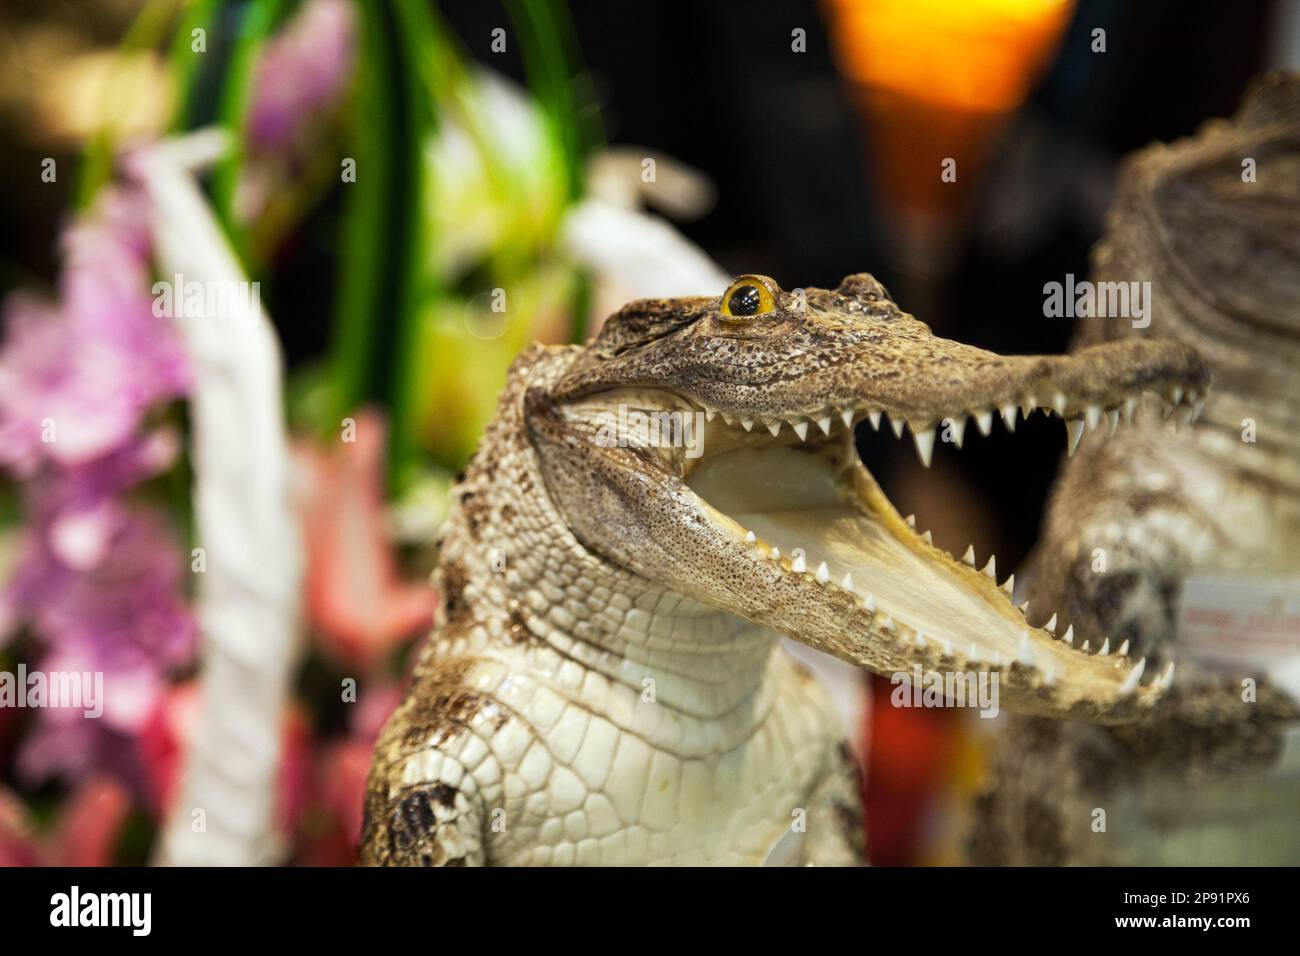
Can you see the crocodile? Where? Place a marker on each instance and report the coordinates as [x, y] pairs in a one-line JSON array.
[[1213, 222], [647, 515]]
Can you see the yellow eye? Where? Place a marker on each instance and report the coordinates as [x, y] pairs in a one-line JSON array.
[[747, 297]]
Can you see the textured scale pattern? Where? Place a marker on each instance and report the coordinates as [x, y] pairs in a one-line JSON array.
[[565, 711]]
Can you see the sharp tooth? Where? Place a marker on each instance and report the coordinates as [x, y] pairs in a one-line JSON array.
[[1135, 675], [801, 429], [847, 583], [1130, 406], [846, 416], [774, 427], [776, 554], [1009, 416], [924, 444], [886, 623], [823, 573], [1198, 408], [984, 421], [1051, 624], [911, 521], [727, 418], [874, 417], [1085, 648], [1112, 416], [969, 556], [1009, 584], [1123, 649], [1059, 403], [750, 537], [1166, 680], [1105, 647], [1074, 428], [958, 430], [990, 569], [1176, 394], [800, 564], [1092, 414], [1069, 635], [1025, 651], [869, 602], [897, 425], [1023, 607], [927, 538], [709, 414], [824, 423], [748, 423]]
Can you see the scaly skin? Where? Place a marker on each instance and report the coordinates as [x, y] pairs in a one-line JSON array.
[[604, 684], [1223, 257]]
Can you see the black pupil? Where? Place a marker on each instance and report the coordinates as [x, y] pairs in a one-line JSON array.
[[745, 300]]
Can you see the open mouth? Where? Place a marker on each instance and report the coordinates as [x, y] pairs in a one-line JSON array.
[[794, 493]]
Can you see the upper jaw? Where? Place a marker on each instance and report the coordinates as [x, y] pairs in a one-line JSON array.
[[1098, 388]]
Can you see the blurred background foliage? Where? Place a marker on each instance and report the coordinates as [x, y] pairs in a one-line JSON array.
[[405, 179]]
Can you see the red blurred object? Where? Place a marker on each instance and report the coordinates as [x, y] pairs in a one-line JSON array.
[[356, 601], [333, 826], [911, 750], [165, 739], [86, 834]]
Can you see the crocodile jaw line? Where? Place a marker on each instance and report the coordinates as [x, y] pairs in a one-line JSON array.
[[800, 500]]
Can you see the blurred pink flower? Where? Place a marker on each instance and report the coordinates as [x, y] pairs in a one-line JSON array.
[[303, 72], [359, 605], [77, 377], [99, 581]]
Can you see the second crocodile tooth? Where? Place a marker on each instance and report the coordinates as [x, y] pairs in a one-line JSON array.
[[799, 564], [984, 421], [924, 440], [823, 573], [1074, 428], [969, 556], [1009, 416], [1131, 682], [958, 426], [801, 429], [990, 569], [774, 427], [824, 423]]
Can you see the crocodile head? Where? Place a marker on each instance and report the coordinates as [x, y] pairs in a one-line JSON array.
[[707, 444]]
